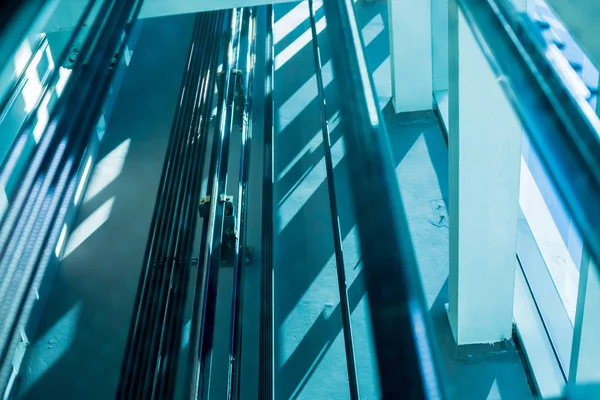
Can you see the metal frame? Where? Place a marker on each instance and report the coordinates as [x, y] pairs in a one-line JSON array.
[[399, 316], [155, 333], [235, 345], [212, 230], [333, 208], [266, 368], [22, 79]]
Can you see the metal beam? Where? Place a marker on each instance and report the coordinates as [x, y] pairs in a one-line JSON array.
[[67, 11], [333, 208], [404, 341], [266, 361]]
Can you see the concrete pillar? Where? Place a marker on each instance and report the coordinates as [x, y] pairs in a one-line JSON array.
[[484, 158], [586, 349], [410, 54], [585, 352], [439, 34]]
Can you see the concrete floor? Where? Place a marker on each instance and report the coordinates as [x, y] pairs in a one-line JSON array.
[[78, 351]]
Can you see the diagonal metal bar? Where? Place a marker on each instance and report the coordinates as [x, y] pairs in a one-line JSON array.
[[399, 316], [333, 208]]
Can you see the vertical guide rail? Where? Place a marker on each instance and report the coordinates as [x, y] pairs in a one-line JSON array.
[[235, 345], [402, 336], [335, 222], [266, 370], [142, 355], [212, 229]]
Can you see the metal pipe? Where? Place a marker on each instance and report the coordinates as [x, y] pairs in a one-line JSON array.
[[162, 259], [399, 315], [132, 352], [212, 230], [563, 129], [333, 208], [192, 211], [172, 256], [201, 125], [266, 388], [147, 318], [235, 345]]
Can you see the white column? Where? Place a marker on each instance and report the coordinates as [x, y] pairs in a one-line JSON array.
[[586, 347], [585, 352], [439, 34], [484, 168], [410, 54]]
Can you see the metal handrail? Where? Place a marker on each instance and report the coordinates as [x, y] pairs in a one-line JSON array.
[[404, 340]]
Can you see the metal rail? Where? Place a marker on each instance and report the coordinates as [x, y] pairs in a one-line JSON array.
[[333, 208], [212, 230], [266, 371], [34, 219], [399, 315], [155, 335], [235, 345], [20, 19], [22, 79]]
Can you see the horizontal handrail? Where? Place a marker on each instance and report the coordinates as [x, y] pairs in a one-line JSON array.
[[404, 340]]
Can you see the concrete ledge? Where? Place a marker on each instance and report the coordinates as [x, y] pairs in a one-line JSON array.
[[68, 11]]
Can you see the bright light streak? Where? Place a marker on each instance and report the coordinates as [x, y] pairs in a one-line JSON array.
[[42, 119], [89, 226], [61, 241], [305, 189], [285, 25], [286, 54], [23, 55], [86, 172], [107, 170], [364, 72], [63, 74]]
